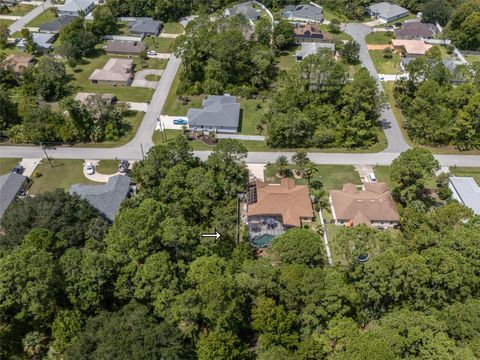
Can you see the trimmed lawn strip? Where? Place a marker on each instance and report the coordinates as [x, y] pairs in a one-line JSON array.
[[19, 10], [253, 112], [465, 171], [152, 77], [160, 45], [172, 28], [379, 38], [63, 174], [7, 164], [286, 60], [447, 150], [6, 22], [44, 17], [107, 167], [385, 66]]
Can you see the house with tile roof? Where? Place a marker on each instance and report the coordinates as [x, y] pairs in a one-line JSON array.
[[373, 205], [220, 113], [411, 48]]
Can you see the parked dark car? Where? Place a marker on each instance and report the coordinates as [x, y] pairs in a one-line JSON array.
[[123, 167], [18, 169]]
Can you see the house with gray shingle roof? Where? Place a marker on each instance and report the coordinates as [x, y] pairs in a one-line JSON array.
[[44, 41], [56, 25], [145, 26], [386, 12], [312, 48], [75, 7], [10, 186], [304, 13], [105, 198], [219, 114], [244, 9]]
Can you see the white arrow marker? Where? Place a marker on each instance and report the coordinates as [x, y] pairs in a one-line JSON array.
[[216, 235]]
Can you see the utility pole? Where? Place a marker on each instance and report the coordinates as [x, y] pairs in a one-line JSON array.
[[46, 155], [141, 148]]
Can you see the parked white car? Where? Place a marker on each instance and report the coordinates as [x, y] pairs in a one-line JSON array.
[[89, 168], [151, 53]]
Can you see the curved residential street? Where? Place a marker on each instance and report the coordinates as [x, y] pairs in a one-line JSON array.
[[142, 141]]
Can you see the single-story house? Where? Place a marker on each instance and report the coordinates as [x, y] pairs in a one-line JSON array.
[[415, 30], [311, 33], [311, 48], [145, 26], [57, 24], [105, 198], [411, 48], [115, 72], [245, 9], [125, 47], [10, 186], [83, 97], [386, 12], [303, 13], [372, 206], [19, 61], [272, 209], [451, 65], [75, 7], [220, 113], [466, 191], [44, 41]]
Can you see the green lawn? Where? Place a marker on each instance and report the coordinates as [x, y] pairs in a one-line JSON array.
[[462, 171], [152, 77], [63, 174], [6, 22], [19, 10], [382, 173], [253, 112], [379, 38], [107, 167], [173, 106], [160, 45], [472, 58], [172, 28], [44, 17], [122, 28], [286, 59], [330, 15], [7, 164], [336, 36], [123, 93], [385, 66]]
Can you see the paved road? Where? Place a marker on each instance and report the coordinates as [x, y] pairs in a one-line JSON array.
[[22, 22], [396, 142]]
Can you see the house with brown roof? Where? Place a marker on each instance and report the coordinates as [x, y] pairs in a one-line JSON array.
[[373, 205], [311, 33], [19, 61], [115, 72], [125, 47], [411, 48], [415, 30], [274, 208]]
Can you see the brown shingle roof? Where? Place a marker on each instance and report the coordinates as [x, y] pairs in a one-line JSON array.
[[114, 70], [19, 61], [375, 203], [415, 29], [311, 31], [125, 47], [290, 201]]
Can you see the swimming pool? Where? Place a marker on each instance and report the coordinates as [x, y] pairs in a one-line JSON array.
[[262, 240]]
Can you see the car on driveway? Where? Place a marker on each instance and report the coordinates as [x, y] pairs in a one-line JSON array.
[[180, 122], [123, 167], [89, 168], [18, 169], [151, 53]]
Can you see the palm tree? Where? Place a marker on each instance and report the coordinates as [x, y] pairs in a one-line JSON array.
[[301, 160], [310, 171], [281, 165]]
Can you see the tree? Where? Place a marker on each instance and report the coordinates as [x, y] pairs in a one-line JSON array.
[[4, 35], [301, 160], [76, 41], [281, 165], [334, 26], [411, 170], [350, 52], [263, 31], [387, 53], [219, 344], [463, 24], [436, 11], [283, 35], [103, 21], [30, 45]]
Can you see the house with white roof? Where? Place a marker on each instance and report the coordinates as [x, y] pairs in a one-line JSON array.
[[466, 191], [75, 7]]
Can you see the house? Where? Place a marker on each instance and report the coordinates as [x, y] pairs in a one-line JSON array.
[[44, 41], [125, 47], [311, 33], [372, 206], [219, 114], [56, 25], [83, 97], [386, 12], [76, 7], [312, 48], [466, 191], [415, 30], [411, 48], [10, 186], [272, 209], [19, 61], [303, 13], [244, 9], [115, 72], [105, 198], [145, 26], [451, 65]]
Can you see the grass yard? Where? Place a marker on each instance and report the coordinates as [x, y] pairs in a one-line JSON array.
[[330, 15], [172, 28], [385, 66], [286, 60], [252, 113], [7, 164], [160, 45], [463, 171], [62, 175], [107, 167], [122, 28], [472, 58], [152, 77], [19, 10], [382, 173], [6, 22], [379, 38], [173, 106], [44, 17], [336, 36]]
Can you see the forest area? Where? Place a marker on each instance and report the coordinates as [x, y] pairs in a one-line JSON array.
[[148, 286]]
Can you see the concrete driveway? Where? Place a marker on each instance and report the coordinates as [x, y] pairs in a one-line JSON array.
[[166, 122], [140, 81], [29, 166]]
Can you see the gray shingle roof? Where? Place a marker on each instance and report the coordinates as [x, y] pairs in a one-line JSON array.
[[57, 24], [466, 191], [217, 111], [105, 198], [145, 26], [244, 9], [10, 185], [387, 10], [307, 12], [75, 5]]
